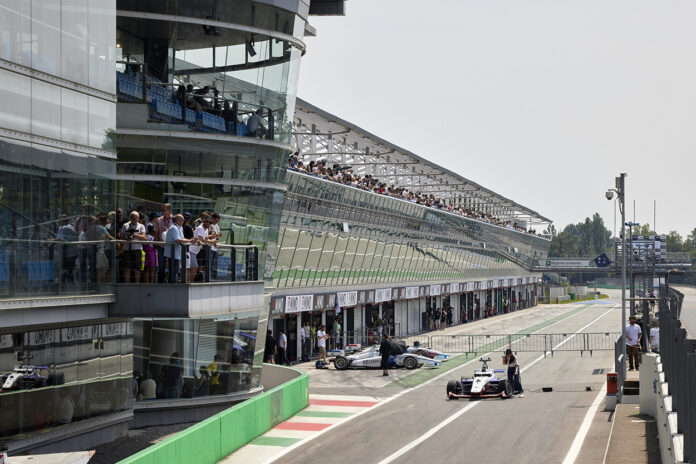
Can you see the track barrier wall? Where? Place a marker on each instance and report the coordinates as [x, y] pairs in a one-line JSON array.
[[676, 382], [214, 438]]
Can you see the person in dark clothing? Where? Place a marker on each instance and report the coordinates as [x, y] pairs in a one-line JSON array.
[[513, 372], [449, 315], [171, 374], [270, 349], [385, 351]]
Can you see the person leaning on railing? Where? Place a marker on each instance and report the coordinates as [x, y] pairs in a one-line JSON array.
[[134, 233], [172, 251], [161, 225]]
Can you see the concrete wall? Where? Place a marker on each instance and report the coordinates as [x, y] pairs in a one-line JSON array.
[[656, 401], [274, 375]]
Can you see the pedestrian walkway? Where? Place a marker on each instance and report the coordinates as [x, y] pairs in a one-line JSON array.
[[323, 413], [633, 439]]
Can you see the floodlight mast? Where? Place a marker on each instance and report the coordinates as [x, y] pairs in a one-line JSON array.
[[621, 192]]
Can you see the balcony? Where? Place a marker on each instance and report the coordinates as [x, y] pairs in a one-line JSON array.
[[226, 284], [71, 280]]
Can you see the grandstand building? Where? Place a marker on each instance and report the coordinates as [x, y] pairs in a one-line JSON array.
[[369, 255], [96, 116]]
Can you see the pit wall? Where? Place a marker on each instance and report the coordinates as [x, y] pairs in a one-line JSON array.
[[656, 401], [214, 438]]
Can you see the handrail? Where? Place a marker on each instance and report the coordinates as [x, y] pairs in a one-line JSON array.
[[137, 242], [429, 208]]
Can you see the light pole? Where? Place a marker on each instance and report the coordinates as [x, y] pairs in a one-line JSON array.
[[632, 293], [621, 192]]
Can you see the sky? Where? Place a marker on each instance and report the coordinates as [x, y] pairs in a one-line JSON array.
[[544, 102]]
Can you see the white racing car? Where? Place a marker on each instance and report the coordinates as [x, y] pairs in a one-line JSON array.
[[371, 358], [427, 352], [484, 384]]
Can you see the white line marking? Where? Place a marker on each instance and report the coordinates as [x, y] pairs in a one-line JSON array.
[[611, 431], [408, 390], [454, 416], [575, 448]]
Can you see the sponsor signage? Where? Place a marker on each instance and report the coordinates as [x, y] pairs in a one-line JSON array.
[[347, 298], [278, 305], [470, 286], [42, 337], [298, 303], [70, 334], [306, 302], [411, 292], [553, 262], [319, 301], [435, 290], [6, 341], [483, 285], [454, 288], [382, 294]]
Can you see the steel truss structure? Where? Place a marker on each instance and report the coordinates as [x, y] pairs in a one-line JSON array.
[[319, 135]]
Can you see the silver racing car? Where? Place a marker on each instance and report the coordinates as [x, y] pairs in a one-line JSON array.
[[371, 358]]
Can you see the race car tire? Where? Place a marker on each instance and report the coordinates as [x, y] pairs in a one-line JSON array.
[[422, 353], [341, 363], [410, 363], [453, 386]]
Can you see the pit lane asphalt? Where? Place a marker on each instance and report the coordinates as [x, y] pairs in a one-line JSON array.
[[538, 428]]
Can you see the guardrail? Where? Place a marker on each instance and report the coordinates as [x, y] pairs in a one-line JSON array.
[[678, 355], [546, 343], [214, 438], [586, 342]]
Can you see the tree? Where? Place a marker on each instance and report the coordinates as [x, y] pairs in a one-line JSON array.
[[644, 230], [587, 238], [674, 241]]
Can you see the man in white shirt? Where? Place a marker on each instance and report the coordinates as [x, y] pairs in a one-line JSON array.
[[633, 337], [655, 338], [282, 348], [134, 234], [215, 234], [304, 336], [321, 343]]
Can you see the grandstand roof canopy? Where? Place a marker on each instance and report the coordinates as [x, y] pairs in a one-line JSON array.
[[322, 135]]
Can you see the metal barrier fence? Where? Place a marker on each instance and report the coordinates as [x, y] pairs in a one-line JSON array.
[[585, 342], [618, 363], [546, 343], [678, 355]]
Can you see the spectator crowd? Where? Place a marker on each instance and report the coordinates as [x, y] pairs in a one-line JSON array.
[[147, 246], [345, 175]]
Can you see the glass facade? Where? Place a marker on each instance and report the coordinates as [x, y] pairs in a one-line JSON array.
[[200, 81], [244, 72], [332, 234], [185, 358], [57, 174], [60, 376]]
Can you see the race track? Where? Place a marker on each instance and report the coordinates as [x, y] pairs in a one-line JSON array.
[[539, 428]]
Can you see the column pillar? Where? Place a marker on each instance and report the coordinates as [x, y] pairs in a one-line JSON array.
[[298, 337]]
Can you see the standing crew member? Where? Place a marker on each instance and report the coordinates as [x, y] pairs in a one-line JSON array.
[[385, 351], [513, 372], [634, 334], [321, 343]]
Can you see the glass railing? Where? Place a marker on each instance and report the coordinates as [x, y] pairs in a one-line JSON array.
[[36, 268], [168, 108]]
